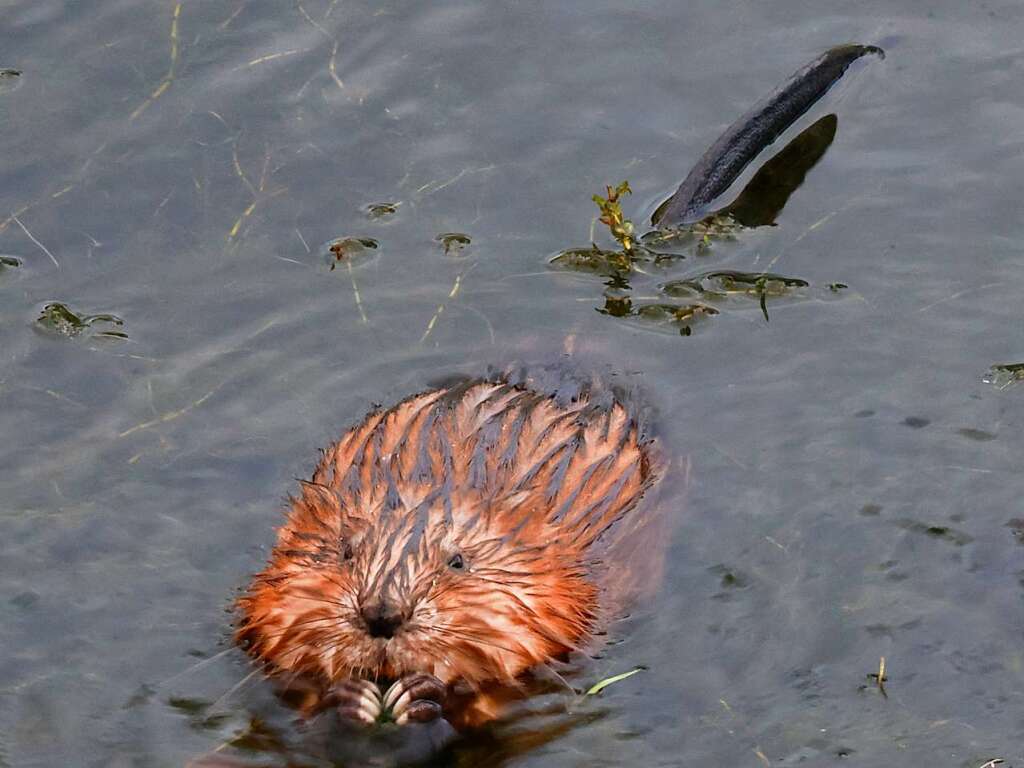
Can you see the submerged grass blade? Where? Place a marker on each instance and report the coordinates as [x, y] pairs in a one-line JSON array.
[[596, 688]]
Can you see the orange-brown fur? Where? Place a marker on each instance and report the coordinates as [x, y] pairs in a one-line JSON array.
[[523, 485]]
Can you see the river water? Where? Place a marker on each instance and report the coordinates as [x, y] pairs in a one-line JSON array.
[[845, 485]]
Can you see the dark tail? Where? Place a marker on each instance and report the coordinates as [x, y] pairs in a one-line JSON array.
[[742, 141]]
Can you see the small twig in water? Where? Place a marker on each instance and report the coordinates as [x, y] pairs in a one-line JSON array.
[[879, 676]]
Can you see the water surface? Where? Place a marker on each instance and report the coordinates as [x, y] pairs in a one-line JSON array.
[[845, 484]]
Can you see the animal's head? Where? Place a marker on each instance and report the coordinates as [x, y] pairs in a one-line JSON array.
[[456, 595], [448, 535]]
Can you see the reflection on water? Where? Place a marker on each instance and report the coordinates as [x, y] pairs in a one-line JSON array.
[[766, 194], [758, 205]]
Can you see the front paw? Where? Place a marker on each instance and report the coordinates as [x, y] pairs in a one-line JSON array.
[[356, 701], [416, 698]]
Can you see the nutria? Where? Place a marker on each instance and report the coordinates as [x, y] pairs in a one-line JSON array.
[[447, 546]]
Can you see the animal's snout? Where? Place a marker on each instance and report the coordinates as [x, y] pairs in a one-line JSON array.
[[382, 620]]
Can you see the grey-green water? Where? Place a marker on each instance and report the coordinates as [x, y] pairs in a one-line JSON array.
[[846, 486]]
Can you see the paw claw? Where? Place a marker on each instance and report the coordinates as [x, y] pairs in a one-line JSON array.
[[356, 700], [417, 698], [420, 711]]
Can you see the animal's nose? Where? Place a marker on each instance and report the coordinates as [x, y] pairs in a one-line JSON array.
[[381, 619]]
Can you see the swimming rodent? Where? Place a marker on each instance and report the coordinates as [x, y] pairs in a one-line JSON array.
[[449, 545], [471, 533]]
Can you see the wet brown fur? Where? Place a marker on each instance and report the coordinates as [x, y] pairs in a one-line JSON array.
[[524, 486]]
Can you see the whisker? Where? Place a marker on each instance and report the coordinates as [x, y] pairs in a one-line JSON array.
[[231, 691], [465, 635], [197, 666]]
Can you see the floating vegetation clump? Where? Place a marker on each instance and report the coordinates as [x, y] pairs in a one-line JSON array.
[[730, 284], [717, 226], [60, 319], [1016, 525], [676, 317], [698, 215], [1002, 375], [347, 249], [635, 254], [9, 262], [10, 79], [380, 211], [593, 259], [684, 301], [453, 242], [935, 531]]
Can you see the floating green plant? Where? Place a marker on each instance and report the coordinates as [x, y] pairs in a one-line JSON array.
[[593, 259], [611, 216], [935, 531], [10, 79], [681, 317], [378, 211], [1002, 375], [60, 319], [724, 284], [632, 252], [453, 242], [717, 226], [691, 298], [345, 248]]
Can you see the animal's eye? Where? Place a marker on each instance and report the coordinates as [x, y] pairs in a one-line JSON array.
[[346, 552], [456, 563]]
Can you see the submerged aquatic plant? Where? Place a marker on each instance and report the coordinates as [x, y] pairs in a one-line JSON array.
[[599, 686]]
